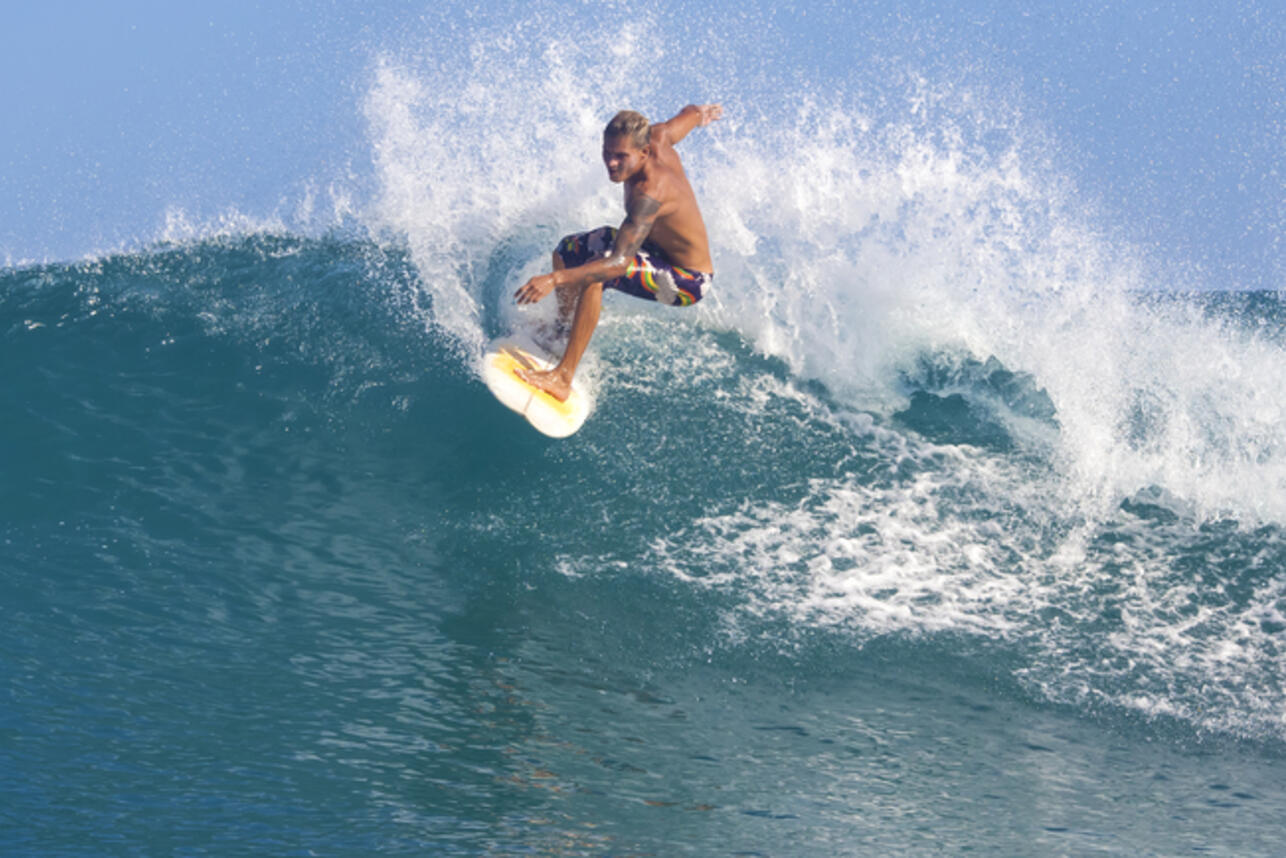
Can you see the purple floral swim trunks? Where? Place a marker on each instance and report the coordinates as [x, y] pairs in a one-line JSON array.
[[650, 275]]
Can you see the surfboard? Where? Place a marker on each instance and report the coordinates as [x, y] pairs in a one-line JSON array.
[[556, 419]]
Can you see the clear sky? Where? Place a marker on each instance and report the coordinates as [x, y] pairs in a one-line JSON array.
[[1173, 114]]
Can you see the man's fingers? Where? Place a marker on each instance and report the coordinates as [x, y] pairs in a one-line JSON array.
[[529, 293]]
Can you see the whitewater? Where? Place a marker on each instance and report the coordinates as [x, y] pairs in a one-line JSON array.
[[949, 519]]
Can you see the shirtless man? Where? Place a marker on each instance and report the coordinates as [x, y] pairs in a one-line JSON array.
[[660, 253]]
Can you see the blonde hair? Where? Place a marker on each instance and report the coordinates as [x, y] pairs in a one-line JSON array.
[[631, 125]]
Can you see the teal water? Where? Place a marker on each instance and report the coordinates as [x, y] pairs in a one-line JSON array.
[[279, 576]]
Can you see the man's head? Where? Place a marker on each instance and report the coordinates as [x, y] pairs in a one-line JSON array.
[[626, 144], [631, 125]]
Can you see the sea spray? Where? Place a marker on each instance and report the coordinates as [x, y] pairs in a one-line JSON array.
[[483, 161], [850, 239]]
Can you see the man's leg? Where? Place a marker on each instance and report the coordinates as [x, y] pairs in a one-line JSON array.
[[557, 382]]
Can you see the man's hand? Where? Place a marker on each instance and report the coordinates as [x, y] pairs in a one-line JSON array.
[[535, 289], [709, 113]]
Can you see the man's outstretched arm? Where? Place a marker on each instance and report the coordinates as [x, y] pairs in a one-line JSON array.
[[692, 116]]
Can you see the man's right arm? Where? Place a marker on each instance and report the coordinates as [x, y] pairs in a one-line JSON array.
[[639, 217], [692, 116]]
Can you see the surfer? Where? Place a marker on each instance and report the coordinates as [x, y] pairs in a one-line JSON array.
[[660, 253]]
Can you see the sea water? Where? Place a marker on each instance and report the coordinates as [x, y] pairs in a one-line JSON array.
[[941, 526]]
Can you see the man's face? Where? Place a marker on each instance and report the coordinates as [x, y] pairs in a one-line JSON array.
[[622, 158]]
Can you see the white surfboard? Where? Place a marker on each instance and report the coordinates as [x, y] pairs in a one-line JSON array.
[[499, 370]]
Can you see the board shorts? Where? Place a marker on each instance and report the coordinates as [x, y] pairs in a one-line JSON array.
[[650, 275]]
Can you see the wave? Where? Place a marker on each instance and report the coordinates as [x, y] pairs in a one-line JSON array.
[[932, 398], [802, 517]]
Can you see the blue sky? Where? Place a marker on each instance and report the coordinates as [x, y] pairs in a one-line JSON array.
[[122, 109], [1173, 115]]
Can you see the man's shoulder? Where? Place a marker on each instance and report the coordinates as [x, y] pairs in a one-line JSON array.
[[659, 134]]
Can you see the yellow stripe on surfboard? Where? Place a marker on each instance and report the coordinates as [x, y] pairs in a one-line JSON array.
[[511, 359]]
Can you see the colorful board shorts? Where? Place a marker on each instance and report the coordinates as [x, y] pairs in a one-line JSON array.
[[650, 275]]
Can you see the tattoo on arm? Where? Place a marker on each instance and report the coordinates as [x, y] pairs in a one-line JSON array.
[[638, 223]]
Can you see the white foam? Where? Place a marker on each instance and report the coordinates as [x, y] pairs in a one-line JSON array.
[[851, 250]]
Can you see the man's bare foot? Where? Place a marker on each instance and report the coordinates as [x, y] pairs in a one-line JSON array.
[[553, 382]]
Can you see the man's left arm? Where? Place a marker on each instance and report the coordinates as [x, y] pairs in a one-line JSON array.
[[692, 116]]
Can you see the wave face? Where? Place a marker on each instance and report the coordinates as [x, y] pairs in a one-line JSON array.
[[245, 468], [937, 454]]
